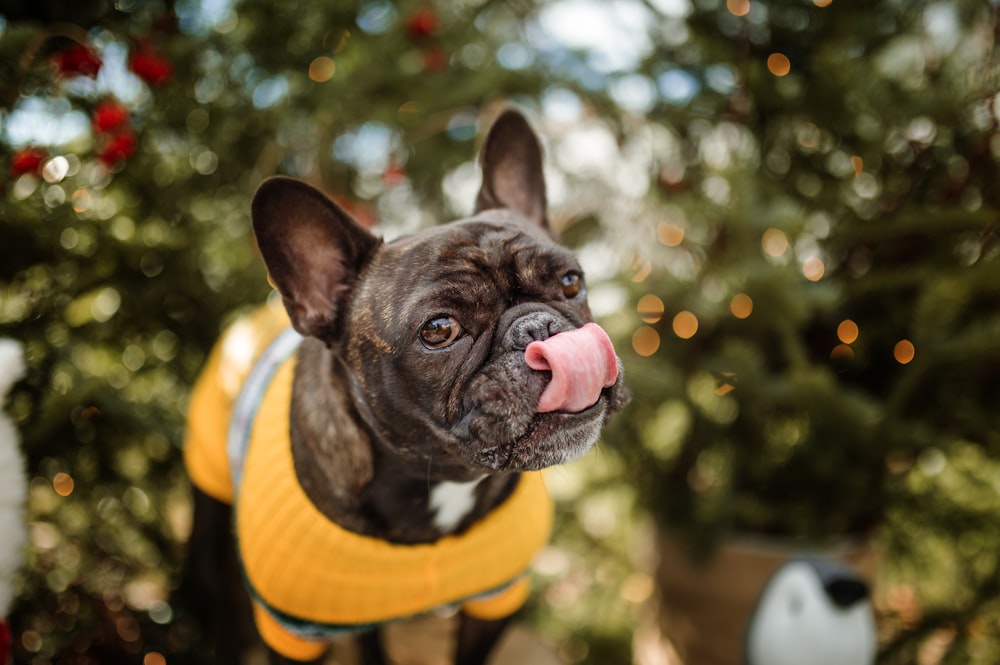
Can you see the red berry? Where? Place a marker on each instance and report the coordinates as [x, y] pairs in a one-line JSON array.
[[435, 59], [109, 115], [26, 160], [76, 60], [422, 23], [5, 641], [150, 66], [119, 148]]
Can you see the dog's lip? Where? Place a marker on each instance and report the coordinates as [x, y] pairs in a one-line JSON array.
[[573, 414], [546, 421]]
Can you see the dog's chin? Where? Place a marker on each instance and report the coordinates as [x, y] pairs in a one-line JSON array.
[[552, 438]]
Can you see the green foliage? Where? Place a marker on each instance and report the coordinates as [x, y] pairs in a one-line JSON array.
[[848, 190]]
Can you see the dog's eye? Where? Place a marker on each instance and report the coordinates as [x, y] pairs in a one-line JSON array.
[[571, 284], [439, 332]]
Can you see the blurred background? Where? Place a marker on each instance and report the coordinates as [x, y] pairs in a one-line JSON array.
[[788, 215]]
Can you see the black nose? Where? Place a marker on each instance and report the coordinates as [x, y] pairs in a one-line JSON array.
[[533, 327]]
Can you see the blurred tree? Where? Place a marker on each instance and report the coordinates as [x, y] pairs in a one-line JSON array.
[[819, 289]]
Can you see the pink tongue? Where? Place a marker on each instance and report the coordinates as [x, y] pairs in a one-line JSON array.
[[582, 362]]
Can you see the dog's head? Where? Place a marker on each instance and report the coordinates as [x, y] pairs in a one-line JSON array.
[[469, 343]]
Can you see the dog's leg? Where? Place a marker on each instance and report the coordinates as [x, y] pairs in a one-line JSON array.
[[476, 639], [275, 658], [370, 647], [212, 587]]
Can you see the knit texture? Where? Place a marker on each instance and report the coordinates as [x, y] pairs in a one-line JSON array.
[[310, 578]]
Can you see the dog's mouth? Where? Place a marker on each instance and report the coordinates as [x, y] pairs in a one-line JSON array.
[[581, 364], [544, 405], [549, 439]]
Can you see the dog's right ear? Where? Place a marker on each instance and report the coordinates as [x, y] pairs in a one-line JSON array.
[[511, 160], [313, 250]]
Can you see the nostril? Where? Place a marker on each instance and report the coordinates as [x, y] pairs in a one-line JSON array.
[[533, 328]]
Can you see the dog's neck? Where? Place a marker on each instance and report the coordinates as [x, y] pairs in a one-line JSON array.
[[362, 483]]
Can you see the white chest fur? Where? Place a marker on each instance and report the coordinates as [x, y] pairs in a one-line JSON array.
[[451, 502]]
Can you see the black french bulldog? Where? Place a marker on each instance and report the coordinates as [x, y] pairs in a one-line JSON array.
[[432, 375]]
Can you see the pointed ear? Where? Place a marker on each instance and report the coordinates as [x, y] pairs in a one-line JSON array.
[[512, 169], [313, 250]]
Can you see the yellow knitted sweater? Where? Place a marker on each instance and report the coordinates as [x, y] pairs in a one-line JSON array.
[[311, 579]]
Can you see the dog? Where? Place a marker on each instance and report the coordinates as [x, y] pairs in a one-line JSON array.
[[376, 442]]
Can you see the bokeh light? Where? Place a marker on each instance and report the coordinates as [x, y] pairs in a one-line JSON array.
[[774, 242], [741, 306], [779, 64], [685, 325], [813, 268], [904, 351], [726, 384], [646, 341], [670, 234], [650, 308], [738, 7], [842, 353], [63, 484], [641, 270], [154, 658], [847, 331]]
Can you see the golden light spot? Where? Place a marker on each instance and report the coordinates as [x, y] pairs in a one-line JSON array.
[[127, 628], [31, 641], [809, 135], [726, 385], [642, 268], [670, 234], [779, 64], [63, 484], [741, 305], [738, 7], [904, 351], [645, 341], [774, 242], [847, 331], [637, 588], [858, 164], [813, 268], [822, 3], [154, 658], [410, 108], [842, 352], [685, 325], [322, 69], [82, 200], [650, 308]]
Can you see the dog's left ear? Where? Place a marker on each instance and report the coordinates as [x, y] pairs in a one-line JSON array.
[[314, 252], [512, 169]]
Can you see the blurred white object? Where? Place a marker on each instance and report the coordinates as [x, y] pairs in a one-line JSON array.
[[13, 489], [812, 611]]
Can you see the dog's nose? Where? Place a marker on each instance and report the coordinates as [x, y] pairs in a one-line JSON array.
[[534, 327]]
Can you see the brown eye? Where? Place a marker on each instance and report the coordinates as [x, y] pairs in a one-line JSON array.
[[571, 284], [439, 332]]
